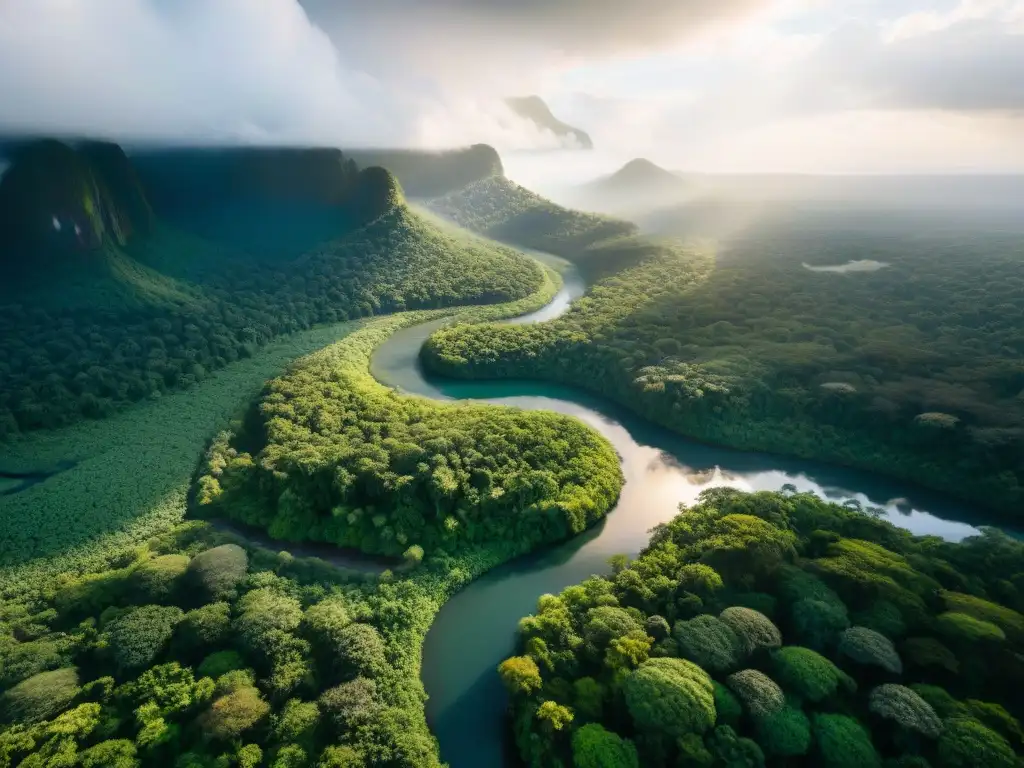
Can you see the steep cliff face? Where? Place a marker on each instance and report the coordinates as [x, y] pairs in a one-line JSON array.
[[270, 202], [433, 174], [55, 205], [534, 109], [66, 213], [65, 208], [378, 191], [111, 164], [184, 178]]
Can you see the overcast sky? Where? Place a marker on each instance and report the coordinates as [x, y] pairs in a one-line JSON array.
[[733, 85]]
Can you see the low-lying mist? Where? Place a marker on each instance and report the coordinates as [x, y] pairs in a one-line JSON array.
[[675, 202]]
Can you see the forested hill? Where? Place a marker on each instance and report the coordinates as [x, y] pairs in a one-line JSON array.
[[638, 174], [125, 276], [501, 209], [56, 201], [534, 109], [59, 199], [637, 187], [425, 174]]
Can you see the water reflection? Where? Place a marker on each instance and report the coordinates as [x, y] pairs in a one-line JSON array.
[[476, 629], [861, 265]]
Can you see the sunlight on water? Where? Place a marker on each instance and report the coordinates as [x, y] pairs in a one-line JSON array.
[[861, 265]]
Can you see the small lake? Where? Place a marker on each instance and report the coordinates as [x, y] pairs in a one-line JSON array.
[[476, 629], [862, 265]]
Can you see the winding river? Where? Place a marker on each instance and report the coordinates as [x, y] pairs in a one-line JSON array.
[[476, 629]]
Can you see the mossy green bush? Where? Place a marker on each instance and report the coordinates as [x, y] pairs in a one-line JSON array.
[[784, 733], [216, 573], [156, 580], [906, 708], [842, 742], [761, 696], [136, 637], [594, 747], [40, 696], [709, 642], [807, 674], [966, 742], [672, 696], [963, 629], [842, 704], [865, 646], [754, 630]]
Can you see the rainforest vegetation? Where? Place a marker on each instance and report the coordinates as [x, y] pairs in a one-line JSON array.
[[913, 370], [755, 629], [329, 454], [766, 629], [196, 652], [501, 209], [104, 319]]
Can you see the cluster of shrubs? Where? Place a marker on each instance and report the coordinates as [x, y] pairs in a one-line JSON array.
[[330, 454], [195, 653], [771, 629]]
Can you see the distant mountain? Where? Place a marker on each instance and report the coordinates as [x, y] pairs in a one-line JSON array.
[[83, 224], [58, 202], [642, 176], [534, 108], [269, 201], [638, 186], [426, 174]]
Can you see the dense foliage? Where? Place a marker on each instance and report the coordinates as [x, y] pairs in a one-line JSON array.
[[198, 649], [125, 321], [501, 209], [332, 455], [730, 685], [912, 370], [242, 658]]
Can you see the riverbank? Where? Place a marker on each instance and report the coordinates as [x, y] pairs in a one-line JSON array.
[[132, 471], [475, 628]]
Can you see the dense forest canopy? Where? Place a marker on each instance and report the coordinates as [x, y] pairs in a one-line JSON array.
[[755, 629], [501, 209], [199, 650], [195, 651], [120, 318], [331, 455], [766, 629], [913, 369]]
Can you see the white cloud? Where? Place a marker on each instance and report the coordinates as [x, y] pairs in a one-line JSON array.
[[218, 70], [866, 91], [700, 84]]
